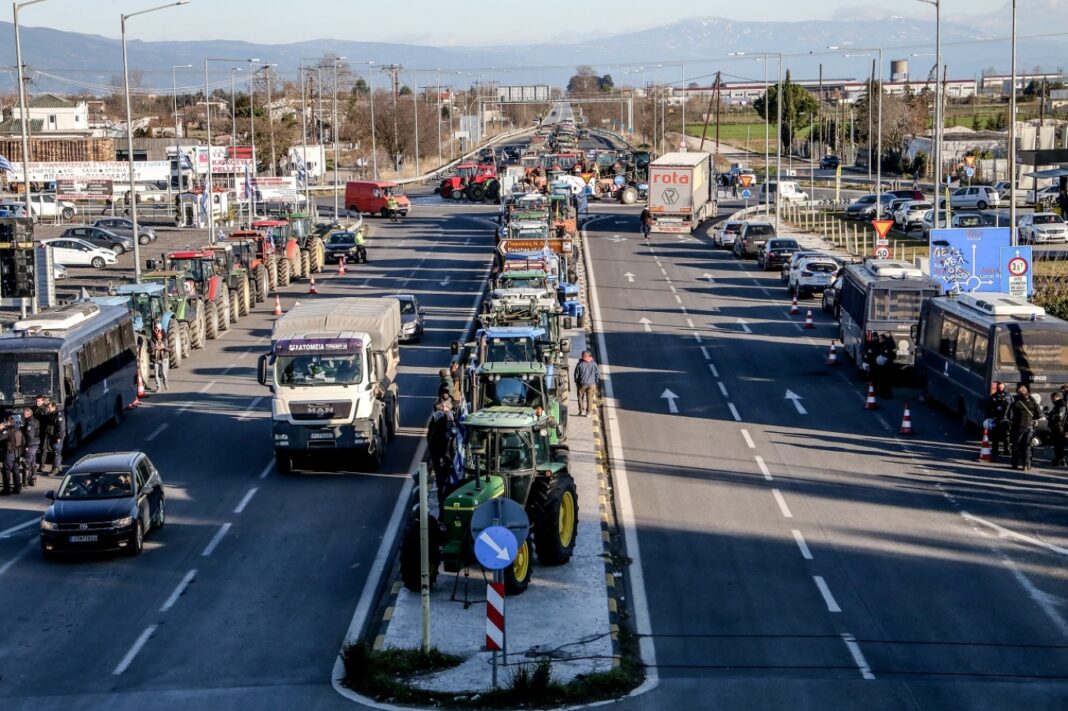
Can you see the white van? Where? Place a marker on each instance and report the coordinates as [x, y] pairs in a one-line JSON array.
[[791, 191]]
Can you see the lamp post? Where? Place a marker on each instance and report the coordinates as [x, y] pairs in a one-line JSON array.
[[415, 112], [24, 124], [879, 130], [270, 121], [1012, 135], [129, 130], [938, 120], [252, 133], [333, 131], [177, 146], [764, 57], [209, 183]]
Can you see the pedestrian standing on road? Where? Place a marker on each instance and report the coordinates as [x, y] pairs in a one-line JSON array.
[[393, 209], [13, 442], [439, 440], [59, 434], [997, 412], [160, 358], [646, 220], [445, 382], [884, 361], [44, 419], [1022, 415], [587, 380], [1057, 418], [31, 437]]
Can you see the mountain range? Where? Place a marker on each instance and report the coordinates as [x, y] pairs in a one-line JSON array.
[[90, 63]]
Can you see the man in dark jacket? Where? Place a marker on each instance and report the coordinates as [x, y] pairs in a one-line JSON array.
[[646, 220], [31, 436], [59, 434], [40, 411], [1057, 418], [997, 410], [1022, 415], [587, 378], [13, 445], [440, 439]]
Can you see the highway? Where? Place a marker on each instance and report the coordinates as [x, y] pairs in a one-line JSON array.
[[243, 599], [796, 552]]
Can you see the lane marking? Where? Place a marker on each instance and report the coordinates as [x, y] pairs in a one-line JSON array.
[[697, 337], [704, 352], [137, 645], [722, 388], [156, 432], [667, 279], [251, 407], [734, 412], [782, 503], [244, 354], [244, 501], [767, 475], [207, 387], [679, 300], [267, 470], [26, 549], [178, 590], [1009, 533], [215, 540], [748, 440], [805, 552], [712, 367], [858, 656], [832, 604], [6, 533], [689, 322], [673, 289]]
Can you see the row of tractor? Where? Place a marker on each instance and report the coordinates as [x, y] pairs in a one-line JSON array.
[[511, 441]]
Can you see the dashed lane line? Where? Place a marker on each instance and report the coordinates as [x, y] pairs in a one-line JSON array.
[[26, 549], [825, 591], [762, 465], [734, 412], [6, 533], [704, 352], [267, 470], [782, 503], [216, 539], [858, 656], [178, 590], [748, 440], [715, 371], [722, 388], [245, 499], [802, 545], [138, 644], [156, 432]]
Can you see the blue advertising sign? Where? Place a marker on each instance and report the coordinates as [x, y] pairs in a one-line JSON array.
[[968, 259], [1016, 271]]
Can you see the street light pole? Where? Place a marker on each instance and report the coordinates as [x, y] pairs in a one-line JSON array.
[[129, 131], [374, 145], [415, 111], [233, 132], [177, 145], [209, 182], [1012, 134], [334, 130], [938, 120], [304, 136], [270, 121], [778, 147]]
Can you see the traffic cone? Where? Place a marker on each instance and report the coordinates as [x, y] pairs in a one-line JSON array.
[[140, 385], [793, 307], [341, 267], [870, 403], [808, 320], [906, 422], [277, 305], [832, 355], [311, 287], [985, 454]]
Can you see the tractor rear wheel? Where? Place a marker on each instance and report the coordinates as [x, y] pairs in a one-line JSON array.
[[517, 575], [476, 192], [305, 263], [553, 509], [283, 273], [262, 282], [187, 339], [174, 346], [245, 297], [409, 555], [211, 321], [223, 307], [235, 307]]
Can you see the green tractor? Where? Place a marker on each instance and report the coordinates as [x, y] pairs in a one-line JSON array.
[[151, 307], [199, 273], [184, 302], [506, 453], [303, 231], [530, 385]]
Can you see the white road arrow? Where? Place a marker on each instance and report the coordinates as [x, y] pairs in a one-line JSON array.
[[445, 282], [617, 239], [647, 323], [708, 277], [744, 325], [630, 277], [502, 553], [671, 398], [796, 399]]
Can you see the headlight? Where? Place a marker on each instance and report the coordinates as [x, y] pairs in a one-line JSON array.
[[122, 522], [47, 525], [410, 326]]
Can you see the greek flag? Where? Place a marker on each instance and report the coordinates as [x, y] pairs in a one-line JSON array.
[[457, 474], [184, 163], [5, 165], [302, 173], [248, 185]]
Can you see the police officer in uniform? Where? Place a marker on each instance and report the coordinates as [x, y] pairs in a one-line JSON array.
[[12, 438], [1022, 415], [997, 410], [40, 411], [31, 435], [58, 434]]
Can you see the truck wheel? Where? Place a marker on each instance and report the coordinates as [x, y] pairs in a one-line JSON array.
[[282, 273], [392, 419], [245, 297], [553, 509], [235, 307], [174, 345], [305, 263], [211, 321], [629, 195], [377, 451], [517, 575], [411, 572], [187, 339], [283, 461]]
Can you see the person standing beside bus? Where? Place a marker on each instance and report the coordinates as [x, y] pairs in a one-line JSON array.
[[997, 411], [58, 433], [160, 356], [1022, 415], [13, 443], [1057, 418], [31, 436]]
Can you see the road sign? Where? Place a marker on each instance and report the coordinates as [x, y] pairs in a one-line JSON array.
[[495, 548], [554, 244], [969, 171], [1016, 271], [500, 512], [747, 194], [745, 180], [969, 259], [882, 227], [882, 252], [495, 617], [969, 161]]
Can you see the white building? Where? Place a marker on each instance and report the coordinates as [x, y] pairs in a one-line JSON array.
[[52, 116]]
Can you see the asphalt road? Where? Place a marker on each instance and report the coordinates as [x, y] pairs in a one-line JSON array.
[[805, 556], [244, 598]]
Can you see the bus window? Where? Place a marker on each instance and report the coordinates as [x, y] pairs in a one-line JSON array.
[[978, 364], [948, 343], [965, 344], [1041, 352], [932, 335], [896, 305]]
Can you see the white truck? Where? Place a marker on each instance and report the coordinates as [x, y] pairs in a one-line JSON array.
[[332, 371], [682, 191]]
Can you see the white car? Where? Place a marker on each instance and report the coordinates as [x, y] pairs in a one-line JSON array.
[[978, 197], [79, 253], [910, 215], [1042, 227], [1046, 194], [789, 191], [726, 234], [44, 205], [787, 269], [812, 274]]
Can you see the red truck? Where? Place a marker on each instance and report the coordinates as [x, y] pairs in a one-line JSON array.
[[370, 196]]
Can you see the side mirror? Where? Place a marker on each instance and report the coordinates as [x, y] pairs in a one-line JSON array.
[[50, 495], [261, 369], [422, 312], [565, 345]]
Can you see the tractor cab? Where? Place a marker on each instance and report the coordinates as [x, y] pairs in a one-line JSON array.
[[197, 266], [147, 301], [278, 231], [300, 225], [534, 385]]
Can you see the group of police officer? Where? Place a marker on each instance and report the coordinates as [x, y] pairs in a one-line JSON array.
[[1012, 421], [28, 437]]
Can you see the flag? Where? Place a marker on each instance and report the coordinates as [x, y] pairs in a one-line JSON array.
[[5, 165], [248, 185], [184, 163], [302, 176]]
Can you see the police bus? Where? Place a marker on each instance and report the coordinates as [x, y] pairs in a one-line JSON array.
[[882, 296], [967, 342], [82, 356]]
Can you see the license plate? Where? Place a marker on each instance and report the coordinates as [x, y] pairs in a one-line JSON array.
[[322, 435], [82, 539]]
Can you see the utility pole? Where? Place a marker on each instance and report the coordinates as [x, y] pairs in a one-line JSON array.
[[394, 71], [270, 122], [714, 96], [819, 117]]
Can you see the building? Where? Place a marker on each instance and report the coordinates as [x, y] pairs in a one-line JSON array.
[[52, 116], [840, 90], [998, 84]]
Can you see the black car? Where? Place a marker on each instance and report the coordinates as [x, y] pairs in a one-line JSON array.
[[831, 296], [411, 317], [123, 226], [343, 244], [99, 237], [752, 237], [829, 162], [105, 502], [776, 252], [863, 208]]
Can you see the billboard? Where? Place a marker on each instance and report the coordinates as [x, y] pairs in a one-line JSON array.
[[144, 171], [82, 188], [283, 189], [968, 259], [526, 93]]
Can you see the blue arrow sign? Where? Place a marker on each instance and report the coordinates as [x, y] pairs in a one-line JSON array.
[[495, 548], [746, 194]]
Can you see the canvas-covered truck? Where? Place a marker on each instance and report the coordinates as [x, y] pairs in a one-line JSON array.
[[682, 191], [332, 371]]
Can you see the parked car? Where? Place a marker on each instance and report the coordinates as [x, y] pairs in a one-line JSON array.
[[123, 226], [411, 317], [811, 275], [726, 234], [775, 252], [863, 208], [120, 244], [829, 162], [790, 191], [105, 502], [1044, 195], [829, 302], [58, 270], [79, 253], [909, 194], [45, 205], [893, 207], [1003, 190], [12, 208], [960, 219], [1042, 227], [910, 214], [974, 197], [751, 238]]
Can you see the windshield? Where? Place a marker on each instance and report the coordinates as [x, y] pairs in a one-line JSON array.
[[866, 200], [783, 244], [1034, 351], [341, 239], [146, 306], [1048, 220], [522, 282], [96, 485], [513, 391], [23, 376], [299, 226], [196, 269], [242, 252], [970, 221], [898, 305], [315, 369], [406, 306], [760, 231], [466, 172], [510, 350], [821, 267], [506, 451]]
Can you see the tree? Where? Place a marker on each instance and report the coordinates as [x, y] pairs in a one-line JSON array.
[[605, 84], [797, 101], [586, 81]]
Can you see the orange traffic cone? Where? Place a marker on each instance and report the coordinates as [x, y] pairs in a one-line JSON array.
[[870, 403], [808, 320], [832, 356], [277, 305], [793, 307], [311, 287], [140, 385], [341, 267], [906, 422], [985, 455]]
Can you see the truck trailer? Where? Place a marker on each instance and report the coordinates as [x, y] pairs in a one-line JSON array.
[[682, 191]]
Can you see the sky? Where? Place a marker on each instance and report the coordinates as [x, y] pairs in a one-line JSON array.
[[450, 23]]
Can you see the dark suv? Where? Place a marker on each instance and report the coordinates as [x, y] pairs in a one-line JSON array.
[[776, 252], [829, 162], [752, 237]]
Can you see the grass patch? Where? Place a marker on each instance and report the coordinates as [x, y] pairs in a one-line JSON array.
[[382, 674]]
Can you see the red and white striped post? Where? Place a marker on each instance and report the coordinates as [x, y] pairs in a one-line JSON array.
[[495, 622]]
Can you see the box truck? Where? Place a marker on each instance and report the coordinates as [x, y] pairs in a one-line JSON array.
[[682, 191]]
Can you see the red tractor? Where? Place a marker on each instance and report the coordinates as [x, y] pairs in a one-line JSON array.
[[256, 253], [292, 262], [199, 267], [475, 182]]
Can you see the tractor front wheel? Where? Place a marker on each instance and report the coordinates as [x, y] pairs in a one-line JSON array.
[[517, 575], [235, 307], [457, 194], [272, 271], [245, 297], [283, 273], [553, 510], [476, 192], [305, 263], [263, 285], [411, 571], [223, 308], [318, 254], [187, 339], [211, 321], [174, 346]]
